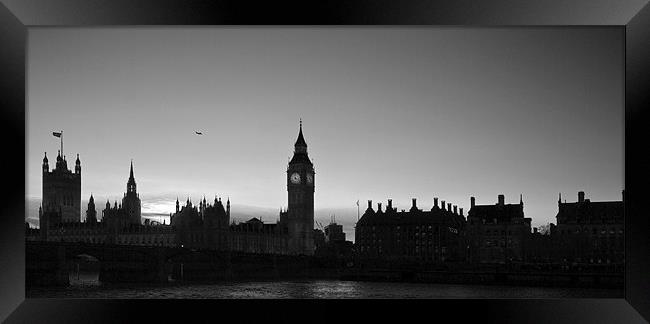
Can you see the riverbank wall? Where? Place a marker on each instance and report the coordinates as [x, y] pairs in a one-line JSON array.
[[541, 279]]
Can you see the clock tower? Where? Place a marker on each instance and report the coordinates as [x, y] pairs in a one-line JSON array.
[[299, 218]]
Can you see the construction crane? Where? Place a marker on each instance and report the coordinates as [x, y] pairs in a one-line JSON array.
[[319, 225]]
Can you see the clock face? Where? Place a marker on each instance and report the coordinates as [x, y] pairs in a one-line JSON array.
[[295, 178], [310, 179]]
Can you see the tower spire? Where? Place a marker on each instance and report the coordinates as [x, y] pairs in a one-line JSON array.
[[130, 185], [300, 142]]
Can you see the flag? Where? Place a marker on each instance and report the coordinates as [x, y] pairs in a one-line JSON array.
[[357, 203], [57, 134]]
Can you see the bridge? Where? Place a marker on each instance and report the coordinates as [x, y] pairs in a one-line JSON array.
[[48, 263]]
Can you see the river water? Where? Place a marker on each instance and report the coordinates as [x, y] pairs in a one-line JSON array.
[[91, 288]]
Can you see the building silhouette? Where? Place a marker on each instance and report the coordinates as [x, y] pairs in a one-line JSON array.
[[61, 192], [331, 242], [333, 232], [589, 232], [319, 239], [129, 211], [91, 213], [434, 236], [299, 217], [497, 233], [255, 236], [205, 226], [586, 232]]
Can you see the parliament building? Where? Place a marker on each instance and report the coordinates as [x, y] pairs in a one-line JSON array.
[[586, 232], [203, 226], [61, 192]]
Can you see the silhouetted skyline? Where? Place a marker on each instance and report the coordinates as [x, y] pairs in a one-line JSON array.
[[388, 113]]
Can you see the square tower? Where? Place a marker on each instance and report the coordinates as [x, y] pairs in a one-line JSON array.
[[299, 219], [62, 189]]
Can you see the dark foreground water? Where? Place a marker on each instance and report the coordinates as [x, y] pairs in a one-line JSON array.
[[312, 289]]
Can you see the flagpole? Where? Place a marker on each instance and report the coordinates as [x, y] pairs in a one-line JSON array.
[[61, 143]]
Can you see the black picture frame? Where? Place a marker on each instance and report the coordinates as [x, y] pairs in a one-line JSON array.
[[633, 17]]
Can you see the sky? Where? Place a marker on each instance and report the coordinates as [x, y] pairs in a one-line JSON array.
[[388, 112]]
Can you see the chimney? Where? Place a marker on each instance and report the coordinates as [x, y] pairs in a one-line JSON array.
[[535, 230], [455, 210], [461, 212], [502, 200], [472, 202], [369, 204], [414, 203], [442, 204], [449, 206], [378, 207], [390, 205], [581, 196], [435, 202]]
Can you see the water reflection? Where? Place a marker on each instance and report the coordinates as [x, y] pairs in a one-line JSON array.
[[87, 287]]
